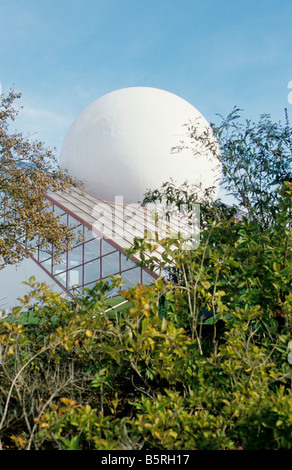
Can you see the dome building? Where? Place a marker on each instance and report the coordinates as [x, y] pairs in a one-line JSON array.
[[120, 146]]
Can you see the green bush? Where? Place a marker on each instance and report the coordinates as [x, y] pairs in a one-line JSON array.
[[155, 374]]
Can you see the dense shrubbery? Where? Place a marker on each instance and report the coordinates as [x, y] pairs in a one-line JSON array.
[[201, 362], [76, 375]]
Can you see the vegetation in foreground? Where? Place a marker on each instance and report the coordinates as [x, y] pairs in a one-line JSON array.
[[156, 375], [202, 361]]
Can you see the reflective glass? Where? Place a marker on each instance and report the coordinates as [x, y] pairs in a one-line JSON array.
[[110, 264], [92, 257], [61, 278], [107, 247], [91, 285], [131, 277], [75, 277], [147, 278], [58, 211], [78, 233], [88, 235], [72, 222], [47, 265], [75, 256], [63, 219], [126, 263], [62, 265], [92, 271], [91, 250], [113, 292], [44, 253]]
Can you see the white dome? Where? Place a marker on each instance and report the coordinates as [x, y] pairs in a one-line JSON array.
[[120, 145]]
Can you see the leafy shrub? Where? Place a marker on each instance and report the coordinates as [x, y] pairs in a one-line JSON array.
[[157, 374]]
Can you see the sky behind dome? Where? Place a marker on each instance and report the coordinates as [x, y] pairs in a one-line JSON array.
[[64, 54]]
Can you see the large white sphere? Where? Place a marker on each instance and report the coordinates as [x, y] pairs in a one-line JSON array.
[[121, 144]]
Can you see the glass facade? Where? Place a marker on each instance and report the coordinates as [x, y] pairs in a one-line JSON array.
[[93, 257]]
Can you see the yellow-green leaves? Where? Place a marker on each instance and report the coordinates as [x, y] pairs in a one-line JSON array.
[[26, 170]]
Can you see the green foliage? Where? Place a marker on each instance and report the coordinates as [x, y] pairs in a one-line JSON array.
[[153, 373], [202, 361], [28, 171], [256, 161]]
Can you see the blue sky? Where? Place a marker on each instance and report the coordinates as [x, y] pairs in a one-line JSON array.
[[63, 54]]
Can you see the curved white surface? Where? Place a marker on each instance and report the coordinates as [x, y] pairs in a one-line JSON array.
[[12, 278], [120, 145]]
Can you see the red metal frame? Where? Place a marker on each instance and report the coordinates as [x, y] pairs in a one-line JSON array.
[[66, 207]]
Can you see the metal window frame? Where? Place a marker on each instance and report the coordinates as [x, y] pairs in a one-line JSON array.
[[79, 209]]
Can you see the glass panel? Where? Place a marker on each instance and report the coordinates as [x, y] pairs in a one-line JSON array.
[[147, 278], [92, 271], [72, 222], [47, 265], [126, 264], [131, 277], [88, 235], [62, 265], [91, 250], [75, 256], [44, 253], [78, 233], [63, 219], [61, 278], [76, 204], [49, 206], [75, 277], [58, 211], [113, 292], [107, 248], [110, 264], [91, 285]]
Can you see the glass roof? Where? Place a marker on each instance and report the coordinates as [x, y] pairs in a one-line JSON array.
[[120, 223], [107, 229]]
